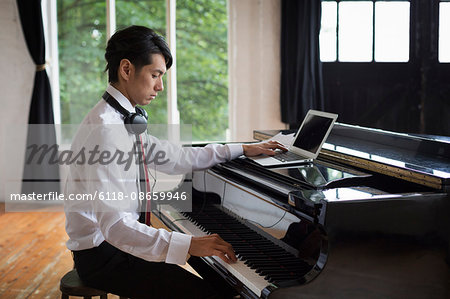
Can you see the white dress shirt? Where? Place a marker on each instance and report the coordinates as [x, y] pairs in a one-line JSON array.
[[89, 223]]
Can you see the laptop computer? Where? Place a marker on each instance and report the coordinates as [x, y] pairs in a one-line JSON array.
[[307, 143]]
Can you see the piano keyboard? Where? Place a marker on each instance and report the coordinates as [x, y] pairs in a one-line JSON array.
[[261, 263]]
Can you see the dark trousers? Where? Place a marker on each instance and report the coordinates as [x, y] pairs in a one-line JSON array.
[[109, 269]]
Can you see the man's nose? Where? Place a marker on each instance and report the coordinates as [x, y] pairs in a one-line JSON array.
[[160, 85]]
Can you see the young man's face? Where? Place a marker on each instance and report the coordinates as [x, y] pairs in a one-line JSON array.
[[144, 84]]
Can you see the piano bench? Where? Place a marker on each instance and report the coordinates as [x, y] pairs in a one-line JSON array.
[[71, 285]]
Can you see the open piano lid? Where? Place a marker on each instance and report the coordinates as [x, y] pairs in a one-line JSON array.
[[418, 159]]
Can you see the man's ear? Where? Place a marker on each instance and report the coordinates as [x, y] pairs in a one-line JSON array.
[[125, 69]]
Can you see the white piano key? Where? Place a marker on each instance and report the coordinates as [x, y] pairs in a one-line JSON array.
[[252, 280]]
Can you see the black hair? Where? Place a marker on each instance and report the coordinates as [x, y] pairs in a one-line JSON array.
[[135, 43]]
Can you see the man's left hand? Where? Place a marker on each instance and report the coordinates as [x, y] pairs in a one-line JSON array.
[[267, 148]]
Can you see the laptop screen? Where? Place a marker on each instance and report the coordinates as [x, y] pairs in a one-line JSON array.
[[312, 133]]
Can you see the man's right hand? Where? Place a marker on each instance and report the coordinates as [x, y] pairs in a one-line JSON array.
[[212, 245]]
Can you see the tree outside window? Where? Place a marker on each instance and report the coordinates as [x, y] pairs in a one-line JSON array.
[[202, 71]]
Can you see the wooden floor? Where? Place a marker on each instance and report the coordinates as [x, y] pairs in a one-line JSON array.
[[33, 255]]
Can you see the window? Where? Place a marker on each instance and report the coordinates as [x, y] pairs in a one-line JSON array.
[[151, 14], [355, 32], [81, 44], [392, 31], [202, 72], [365, 31], [328, 37], [202, 67], [444, 32]]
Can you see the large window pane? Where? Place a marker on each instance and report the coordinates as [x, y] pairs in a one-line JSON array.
[[327, 37], [152, 14], [355, 31], [202, 67], [81, 42], [392, 31], [444, 32]]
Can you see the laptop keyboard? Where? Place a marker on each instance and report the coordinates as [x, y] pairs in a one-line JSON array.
[[288, 156]]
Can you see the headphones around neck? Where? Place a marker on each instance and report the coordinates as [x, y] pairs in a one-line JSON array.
[[135, 123]]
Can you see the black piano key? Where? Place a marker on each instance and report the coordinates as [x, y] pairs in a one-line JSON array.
[[277, 275], [272, 273], [271, 270], [250, 255], [280, 276], [277, 281], [267, 257], [262, 263], [277, 270], [257, 266]]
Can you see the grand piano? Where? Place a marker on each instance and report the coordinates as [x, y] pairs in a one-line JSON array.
[[370, 218]]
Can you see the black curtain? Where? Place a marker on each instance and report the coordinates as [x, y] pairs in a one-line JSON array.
[[301, 69], [39, 177]]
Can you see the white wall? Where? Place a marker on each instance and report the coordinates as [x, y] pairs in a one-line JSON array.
[[16, 83], [254, 66]]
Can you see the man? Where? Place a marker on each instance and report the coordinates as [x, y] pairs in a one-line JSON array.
[[112, 250]]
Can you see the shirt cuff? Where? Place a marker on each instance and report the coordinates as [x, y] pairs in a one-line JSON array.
[[178, 248], [236, 150]]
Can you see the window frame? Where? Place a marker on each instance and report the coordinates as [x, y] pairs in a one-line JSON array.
[[49, 20], [411, 51], [438, 25]]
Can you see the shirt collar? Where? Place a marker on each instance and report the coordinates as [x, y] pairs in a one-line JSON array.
[[123, 101]]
